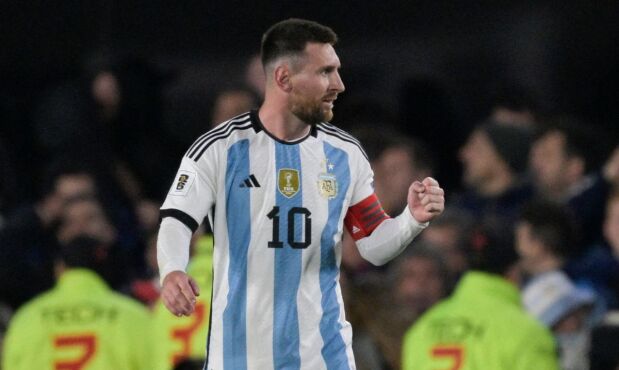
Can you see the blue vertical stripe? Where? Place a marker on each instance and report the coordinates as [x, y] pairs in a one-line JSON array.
[[334, 348], [239, 233], [287, 268]]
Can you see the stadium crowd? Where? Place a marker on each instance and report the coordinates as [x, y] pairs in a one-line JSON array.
[[547, 184]]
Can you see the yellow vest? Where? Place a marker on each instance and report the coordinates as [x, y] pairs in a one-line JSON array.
[[80, 324]]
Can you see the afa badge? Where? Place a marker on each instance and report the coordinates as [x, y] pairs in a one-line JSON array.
[[327, 185], [288, 182]]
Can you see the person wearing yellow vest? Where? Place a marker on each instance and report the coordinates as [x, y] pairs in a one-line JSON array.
[[180, 338], [80, 324], [482, 325]]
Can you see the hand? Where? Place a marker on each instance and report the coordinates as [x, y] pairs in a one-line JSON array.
[[179, 293], [426, 200]]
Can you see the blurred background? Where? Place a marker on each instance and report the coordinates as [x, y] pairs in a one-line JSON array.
[[108, 95], [451, 57]]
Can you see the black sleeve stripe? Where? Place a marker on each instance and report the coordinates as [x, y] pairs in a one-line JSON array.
[[181, 216], [345, 139], [334, 129], [222, 136], [218, 129], [200, 142]]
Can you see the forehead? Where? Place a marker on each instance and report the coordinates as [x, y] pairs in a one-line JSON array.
[[321, 54]]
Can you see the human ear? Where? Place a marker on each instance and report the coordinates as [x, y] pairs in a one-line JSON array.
[[282, 78]]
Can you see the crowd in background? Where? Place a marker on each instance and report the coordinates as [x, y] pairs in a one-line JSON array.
[[549, 181]]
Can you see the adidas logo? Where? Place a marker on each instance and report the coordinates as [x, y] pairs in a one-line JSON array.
[[250, 182], [355, 229]]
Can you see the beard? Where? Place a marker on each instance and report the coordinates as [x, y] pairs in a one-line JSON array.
[[310, 111]]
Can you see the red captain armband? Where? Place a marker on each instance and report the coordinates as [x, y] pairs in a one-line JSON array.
[[362, 218]]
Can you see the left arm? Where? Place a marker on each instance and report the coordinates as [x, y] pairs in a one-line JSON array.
[[380, 238]]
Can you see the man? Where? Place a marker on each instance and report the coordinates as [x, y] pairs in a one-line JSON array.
[[284, 182], [567, 166], [28, 242], [80, 323], [482, 324], [545, 237], [494, 159], [568, 311]]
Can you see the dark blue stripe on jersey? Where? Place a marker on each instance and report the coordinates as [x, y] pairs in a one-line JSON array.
[[287, 267], [238, 222], [334, 348], [346, 138], [181, 216], [217, 130], [223, 135]]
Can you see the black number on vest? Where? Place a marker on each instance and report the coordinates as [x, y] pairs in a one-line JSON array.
[[274, 215]]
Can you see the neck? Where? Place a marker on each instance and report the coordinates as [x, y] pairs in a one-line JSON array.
[[282, 124], [496, 185]]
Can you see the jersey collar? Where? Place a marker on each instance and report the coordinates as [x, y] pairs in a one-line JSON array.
[[258, 126]]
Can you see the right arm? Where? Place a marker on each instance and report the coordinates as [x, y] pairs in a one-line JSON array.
[[192, 194]]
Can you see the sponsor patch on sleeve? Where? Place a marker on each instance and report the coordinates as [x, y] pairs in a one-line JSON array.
[[184, 181]]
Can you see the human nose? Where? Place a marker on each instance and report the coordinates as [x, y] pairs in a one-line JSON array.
[[336, 83]]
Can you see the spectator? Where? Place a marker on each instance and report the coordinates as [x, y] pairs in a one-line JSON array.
[[85, 215], [402, 161], [545, 237], [566, 310], [494, 159], [420, 278], [448, 234], [481, 325], [230, 103], [28, 241], [565, 161], [598, 267], [80, 321]]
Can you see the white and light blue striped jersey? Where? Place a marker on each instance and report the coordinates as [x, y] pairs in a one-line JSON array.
[[277, 210]]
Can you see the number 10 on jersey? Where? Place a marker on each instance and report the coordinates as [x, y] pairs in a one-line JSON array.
[[304, 214]]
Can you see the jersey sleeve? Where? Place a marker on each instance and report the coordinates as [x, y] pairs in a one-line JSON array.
[[192, 193], [363, 185]]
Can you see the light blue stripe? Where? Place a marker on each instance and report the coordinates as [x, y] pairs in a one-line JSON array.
[[334, 348], [239, 233], [287, 269]]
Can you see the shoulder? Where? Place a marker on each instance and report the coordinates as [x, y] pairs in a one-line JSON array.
[[341, 138], [29, 314], [219, 134]]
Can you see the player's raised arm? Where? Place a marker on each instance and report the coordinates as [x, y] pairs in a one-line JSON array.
[[381, 238]]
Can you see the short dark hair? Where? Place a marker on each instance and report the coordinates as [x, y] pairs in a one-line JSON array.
[[290, 37], [84, 252], [580, 141], [491, 247], [553, 225]]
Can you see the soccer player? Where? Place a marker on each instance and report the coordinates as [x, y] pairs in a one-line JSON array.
[[284, 182], [80, 323]]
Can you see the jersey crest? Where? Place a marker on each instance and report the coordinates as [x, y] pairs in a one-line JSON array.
[[288, 182], [327, 185]]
